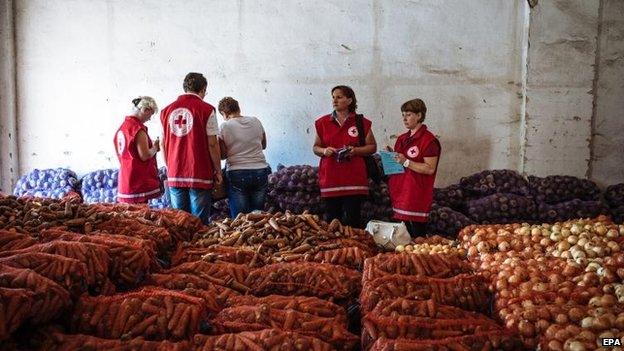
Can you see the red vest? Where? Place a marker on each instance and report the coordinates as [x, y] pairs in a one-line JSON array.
[[138, 180], [412, 193], [188, 159], [347, 177]]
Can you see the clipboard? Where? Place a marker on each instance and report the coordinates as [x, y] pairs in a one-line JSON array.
[[390, 166]]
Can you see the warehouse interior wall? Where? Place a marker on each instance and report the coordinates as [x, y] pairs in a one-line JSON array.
[[506, 86]]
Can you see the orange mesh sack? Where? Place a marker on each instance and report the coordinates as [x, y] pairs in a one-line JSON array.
[[465, 291], [429, 309], [246, 318], [14, 309], [94, 256], [492, 340], [182, 225], [132, 227], [67, 272], [155, 314], [131, 258], [182, 281], [308, 279], [267, 339], [186, 253], [351, 257], [49, 298], [306, 304], [431, 265], [231, 275], [14, 241], [66, 342], [374, 327]]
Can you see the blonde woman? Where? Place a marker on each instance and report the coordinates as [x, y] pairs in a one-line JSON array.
[[138, 173]]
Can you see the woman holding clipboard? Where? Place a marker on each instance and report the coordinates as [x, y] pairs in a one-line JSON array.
[[418, 150]]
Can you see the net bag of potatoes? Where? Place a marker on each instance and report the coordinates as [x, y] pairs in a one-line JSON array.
[[245, 318], [49, 298], [267, 339], [307, 304], [152, 313]]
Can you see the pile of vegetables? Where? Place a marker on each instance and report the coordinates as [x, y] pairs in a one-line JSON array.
[[557, 285], [495, 181], [52, 183], [501, 208], [100, 186], [446, 221], [614, 196], [559, 188]]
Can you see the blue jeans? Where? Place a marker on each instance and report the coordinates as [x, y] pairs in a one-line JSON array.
[[247, 189], [194, 201]]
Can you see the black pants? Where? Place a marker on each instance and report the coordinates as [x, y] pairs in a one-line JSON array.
[[416, 228], [346, 209]]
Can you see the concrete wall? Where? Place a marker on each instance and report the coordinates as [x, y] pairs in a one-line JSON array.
[[9, 172], [608, 136], [79, 63], [77, 71], [559, 109]]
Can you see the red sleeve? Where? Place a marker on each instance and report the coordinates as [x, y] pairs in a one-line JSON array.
[[433, 150]]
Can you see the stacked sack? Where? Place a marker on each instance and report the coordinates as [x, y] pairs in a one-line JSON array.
[[100, 186], [560, 198], [614, 196], [53, 183]]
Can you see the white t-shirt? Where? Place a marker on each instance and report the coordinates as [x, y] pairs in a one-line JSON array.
[[242, 137]]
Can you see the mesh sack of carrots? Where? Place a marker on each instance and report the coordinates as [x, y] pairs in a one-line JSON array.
[[308, 279], [94, 256], [153, 313], [131, 258], [267, 339], [492, 340], [465, 291], [428, 309], [351, 257], [49, 298], [71, 342], [185, 253], [10, 240], [246, 318], [183, 281], [307, 304], [67, 272], [408, 327], [132, 227], [231, 275], [431, 265], [14, 309]]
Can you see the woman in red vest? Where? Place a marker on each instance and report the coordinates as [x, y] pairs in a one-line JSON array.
[[418, 150], [342, 172], [138, 173]]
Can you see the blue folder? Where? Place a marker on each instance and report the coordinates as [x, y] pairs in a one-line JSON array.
[[390, 166]]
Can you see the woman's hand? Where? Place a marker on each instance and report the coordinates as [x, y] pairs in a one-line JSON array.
[[400, 158], [329, 151], [389, 148], [156, 145]]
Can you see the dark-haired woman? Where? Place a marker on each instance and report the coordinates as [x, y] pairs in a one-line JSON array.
[[418, 150], [242, 140], [138, 173], [342, 171]]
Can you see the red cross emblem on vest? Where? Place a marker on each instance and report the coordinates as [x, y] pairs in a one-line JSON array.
[[180, 121], [413, 151]]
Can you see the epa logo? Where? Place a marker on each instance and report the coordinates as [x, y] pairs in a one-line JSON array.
[[611, 342]]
